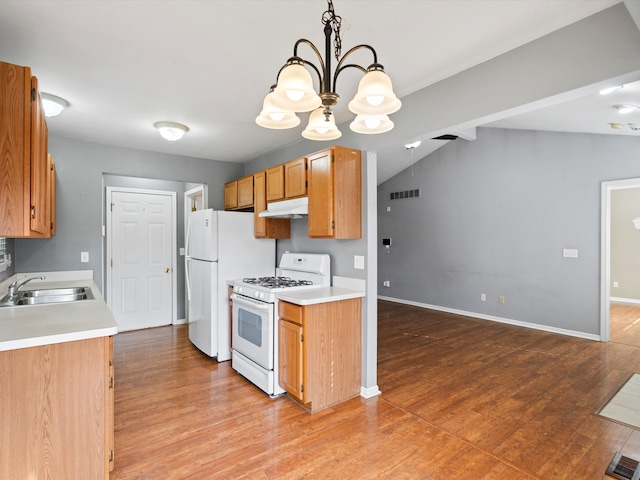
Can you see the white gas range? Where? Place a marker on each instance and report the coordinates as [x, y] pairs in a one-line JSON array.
[[254, 317]]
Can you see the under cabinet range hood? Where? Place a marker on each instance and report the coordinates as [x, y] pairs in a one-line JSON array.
[[294, 208]]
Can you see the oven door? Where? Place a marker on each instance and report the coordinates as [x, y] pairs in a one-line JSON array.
[[252, 324]]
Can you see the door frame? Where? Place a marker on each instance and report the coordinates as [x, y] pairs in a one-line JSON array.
[[109, 254], [605, 250]]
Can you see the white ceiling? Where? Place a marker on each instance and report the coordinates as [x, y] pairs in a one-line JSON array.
[[124, 65]]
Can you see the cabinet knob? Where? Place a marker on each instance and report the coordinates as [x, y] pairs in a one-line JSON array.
[[167, 270]]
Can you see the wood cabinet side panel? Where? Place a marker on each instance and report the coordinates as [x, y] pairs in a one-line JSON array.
[[15, 131], [52, 411], [333, 352], [348, 192]]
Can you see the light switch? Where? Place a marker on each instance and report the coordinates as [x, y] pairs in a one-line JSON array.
[[84, 257], [358, 262]]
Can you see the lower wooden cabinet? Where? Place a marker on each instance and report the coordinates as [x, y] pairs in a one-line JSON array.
[[320, 352], [56, 410]]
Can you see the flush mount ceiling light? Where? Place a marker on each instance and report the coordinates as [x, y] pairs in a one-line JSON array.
[[52, 105], [626, 108], [294, 90], [171, 131]]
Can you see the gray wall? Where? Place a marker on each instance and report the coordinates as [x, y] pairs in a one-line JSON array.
[[494, 216], [79, 188], [625, 244]]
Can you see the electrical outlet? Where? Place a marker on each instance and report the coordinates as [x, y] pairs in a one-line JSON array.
[[358, 262], [483, 297], [386, 283], [501, 300], [615, 284], [84, 257]]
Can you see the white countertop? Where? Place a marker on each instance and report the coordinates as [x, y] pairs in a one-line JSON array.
[[35, 325], [313, 296]]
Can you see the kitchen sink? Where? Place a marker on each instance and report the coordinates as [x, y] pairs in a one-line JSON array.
[[49, 295]]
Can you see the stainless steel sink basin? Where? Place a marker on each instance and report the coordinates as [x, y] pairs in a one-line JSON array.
[[49, 292], [49, 295]]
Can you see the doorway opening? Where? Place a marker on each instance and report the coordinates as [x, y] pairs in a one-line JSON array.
[[625, 312]]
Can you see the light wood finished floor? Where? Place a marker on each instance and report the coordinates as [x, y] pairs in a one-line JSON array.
[[461, 399]]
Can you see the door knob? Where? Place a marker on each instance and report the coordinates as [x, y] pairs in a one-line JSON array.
[[167, 270]]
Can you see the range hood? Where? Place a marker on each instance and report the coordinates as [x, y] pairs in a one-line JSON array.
[[294, 208]]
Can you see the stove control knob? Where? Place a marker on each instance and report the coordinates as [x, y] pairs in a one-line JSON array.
[[257, 294], [238, 289], [261, 294]]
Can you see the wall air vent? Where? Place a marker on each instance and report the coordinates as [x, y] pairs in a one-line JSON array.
[[406, 194]]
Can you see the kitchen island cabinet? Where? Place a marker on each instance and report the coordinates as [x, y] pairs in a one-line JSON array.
[[319, 351], [25, 188], [335, 193]]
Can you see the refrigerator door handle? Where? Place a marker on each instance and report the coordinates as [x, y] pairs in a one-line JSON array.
[[186, 277]]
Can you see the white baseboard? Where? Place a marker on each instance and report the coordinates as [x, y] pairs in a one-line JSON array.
[[481, 316], [180, 321], [369, 392], [632, 301]]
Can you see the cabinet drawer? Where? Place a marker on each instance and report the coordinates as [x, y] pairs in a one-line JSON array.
[[291, 312]]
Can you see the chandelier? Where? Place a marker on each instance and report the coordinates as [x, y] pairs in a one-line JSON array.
[[294, 91]]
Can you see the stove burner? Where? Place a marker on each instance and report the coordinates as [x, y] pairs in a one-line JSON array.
[[276, 282]]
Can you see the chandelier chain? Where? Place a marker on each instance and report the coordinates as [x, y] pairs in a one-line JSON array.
[[330, 17]]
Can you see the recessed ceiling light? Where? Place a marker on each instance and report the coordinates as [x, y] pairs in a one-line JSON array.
[[626, 108], [616, 126]]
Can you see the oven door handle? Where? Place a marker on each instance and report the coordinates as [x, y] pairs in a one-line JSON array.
[[250, 302]]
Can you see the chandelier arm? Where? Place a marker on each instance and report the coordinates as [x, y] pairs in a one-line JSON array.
[[321, 75], [340, 69]]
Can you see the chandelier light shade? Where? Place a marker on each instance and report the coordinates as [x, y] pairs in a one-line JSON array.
[[375, 95], [371, 124], [52, 105], [322, 126], [171, 131], [272, 117], [294, 90]]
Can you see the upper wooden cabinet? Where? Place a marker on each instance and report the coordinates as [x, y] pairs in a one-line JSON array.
[[266, 227], [295, 178], [335, 193], [238, 194], [288, 180], [25, 173], [275, 183]]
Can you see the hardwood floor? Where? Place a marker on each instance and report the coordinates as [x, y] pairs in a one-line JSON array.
[[461, 399], [625, 323]]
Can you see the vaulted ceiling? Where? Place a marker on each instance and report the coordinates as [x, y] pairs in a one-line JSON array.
[[124, 65]]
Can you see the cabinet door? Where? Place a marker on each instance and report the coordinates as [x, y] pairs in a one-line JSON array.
[[290, 359], [110, 404], [245, 192], [295, 178], [52, 182], [275, 183], [231, 195], [259, 205], [40, 172], [321, 198]]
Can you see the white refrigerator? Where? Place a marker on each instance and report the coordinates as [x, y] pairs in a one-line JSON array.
[[220, 246]]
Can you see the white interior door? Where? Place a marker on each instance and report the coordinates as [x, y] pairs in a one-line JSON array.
[[142, 236]]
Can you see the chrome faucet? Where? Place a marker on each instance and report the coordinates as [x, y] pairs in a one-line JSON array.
[[15, 286]]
